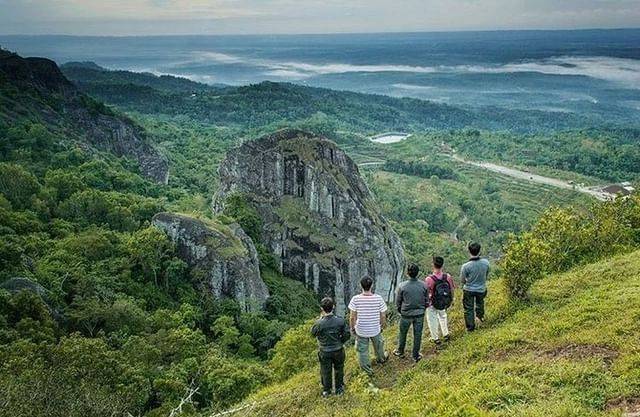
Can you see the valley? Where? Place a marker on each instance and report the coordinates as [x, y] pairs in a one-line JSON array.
[[175, 238]]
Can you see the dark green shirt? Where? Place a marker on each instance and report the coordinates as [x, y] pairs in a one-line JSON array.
[[332, 332]]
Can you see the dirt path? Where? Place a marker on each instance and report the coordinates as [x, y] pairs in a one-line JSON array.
[[527, 176]]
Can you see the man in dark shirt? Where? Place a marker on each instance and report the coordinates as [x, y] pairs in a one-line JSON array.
[[412, 299], [332, 333]]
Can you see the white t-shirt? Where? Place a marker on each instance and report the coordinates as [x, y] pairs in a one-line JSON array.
[[368, 308]]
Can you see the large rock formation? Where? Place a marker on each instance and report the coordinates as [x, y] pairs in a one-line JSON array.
[[319, 218], [222, 258], [40, 89]]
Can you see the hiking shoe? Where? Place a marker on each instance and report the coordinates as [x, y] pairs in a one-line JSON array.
[[398, 353], [417, 358], [325, 394]]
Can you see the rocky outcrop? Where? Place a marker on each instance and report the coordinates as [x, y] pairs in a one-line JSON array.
[[319, 218], [222, 258], [41, 87]]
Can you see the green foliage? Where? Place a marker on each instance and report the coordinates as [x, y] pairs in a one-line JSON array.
[[74, 377], [124, 212], [288, 300], [295, 352], [421, 169], [238, 207], [18, 185], [563, 238], [124, 328]]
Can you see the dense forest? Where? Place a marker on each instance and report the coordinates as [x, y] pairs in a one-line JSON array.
[[91, 292]]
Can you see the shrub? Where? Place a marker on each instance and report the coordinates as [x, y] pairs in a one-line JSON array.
[[294, 352], [564, 238], [18, 185]]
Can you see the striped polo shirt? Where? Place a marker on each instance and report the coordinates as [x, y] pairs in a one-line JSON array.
[[368, 308]]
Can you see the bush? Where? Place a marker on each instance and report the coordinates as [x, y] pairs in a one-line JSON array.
[[564, 238], [294, 352]]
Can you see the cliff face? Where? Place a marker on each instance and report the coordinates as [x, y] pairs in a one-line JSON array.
[[222, 258], [39, 88], [319, 218]]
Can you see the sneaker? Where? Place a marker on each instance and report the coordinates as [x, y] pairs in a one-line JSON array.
[[437, 342], [386, 358], [398, 353], [340, 391], [325, 394], [417, 358], [447, 338]]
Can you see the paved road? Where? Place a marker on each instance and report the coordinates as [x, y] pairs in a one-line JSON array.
[[527, 176], [364, 164]]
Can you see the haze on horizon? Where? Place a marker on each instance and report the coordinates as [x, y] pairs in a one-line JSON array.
[[209, 17]]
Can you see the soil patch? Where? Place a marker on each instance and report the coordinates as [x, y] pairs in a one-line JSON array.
[[581, 352], [630, 406]]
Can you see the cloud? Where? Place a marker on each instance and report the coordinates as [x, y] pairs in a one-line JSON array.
[[619, 70]]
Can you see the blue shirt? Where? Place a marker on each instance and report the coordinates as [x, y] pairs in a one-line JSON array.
[[474, 274]]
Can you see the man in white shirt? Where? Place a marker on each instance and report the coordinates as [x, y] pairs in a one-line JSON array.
[[366, 320]]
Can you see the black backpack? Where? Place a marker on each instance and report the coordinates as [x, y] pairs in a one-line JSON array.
[[442, 293]]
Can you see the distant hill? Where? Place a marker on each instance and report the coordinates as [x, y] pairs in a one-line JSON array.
[[35, 90], [91, 73], [83, 65], [260, 104]]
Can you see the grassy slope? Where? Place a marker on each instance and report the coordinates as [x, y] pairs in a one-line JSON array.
[[572, 351]]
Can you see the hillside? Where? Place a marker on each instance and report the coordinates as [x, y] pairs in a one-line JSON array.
[[261, 104], [34, 90], [572, 350]]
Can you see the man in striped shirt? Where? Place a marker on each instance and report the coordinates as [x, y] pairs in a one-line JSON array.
[[366, 320]]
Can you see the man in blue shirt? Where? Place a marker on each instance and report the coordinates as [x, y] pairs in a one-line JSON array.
[[473, 276]]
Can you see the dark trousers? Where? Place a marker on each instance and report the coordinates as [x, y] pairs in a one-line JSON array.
[[330, 363], [473, 303], [417, 322]]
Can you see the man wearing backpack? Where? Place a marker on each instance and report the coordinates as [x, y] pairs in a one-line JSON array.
[[440, 286], [332, 333], [411, 301], [473, 276]]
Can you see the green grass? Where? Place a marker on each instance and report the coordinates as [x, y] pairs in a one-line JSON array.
[[573, 350]]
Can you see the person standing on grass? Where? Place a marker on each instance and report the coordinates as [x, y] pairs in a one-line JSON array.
[[332, 333], [411, 301], [473, 276], [440, 286], [368, 315]]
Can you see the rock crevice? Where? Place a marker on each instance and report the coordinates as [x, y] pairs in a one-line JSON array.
[[319, 218]]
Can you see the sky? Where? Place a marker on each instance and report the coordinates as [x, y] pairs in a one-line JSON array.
[[181, 17]]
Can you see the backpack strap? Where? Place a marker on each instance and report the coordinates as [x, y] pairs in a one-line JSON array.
[[435, 278]]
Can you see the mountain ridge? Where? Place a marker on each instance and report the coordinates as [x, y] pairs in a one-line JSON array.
[[37, 88]]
